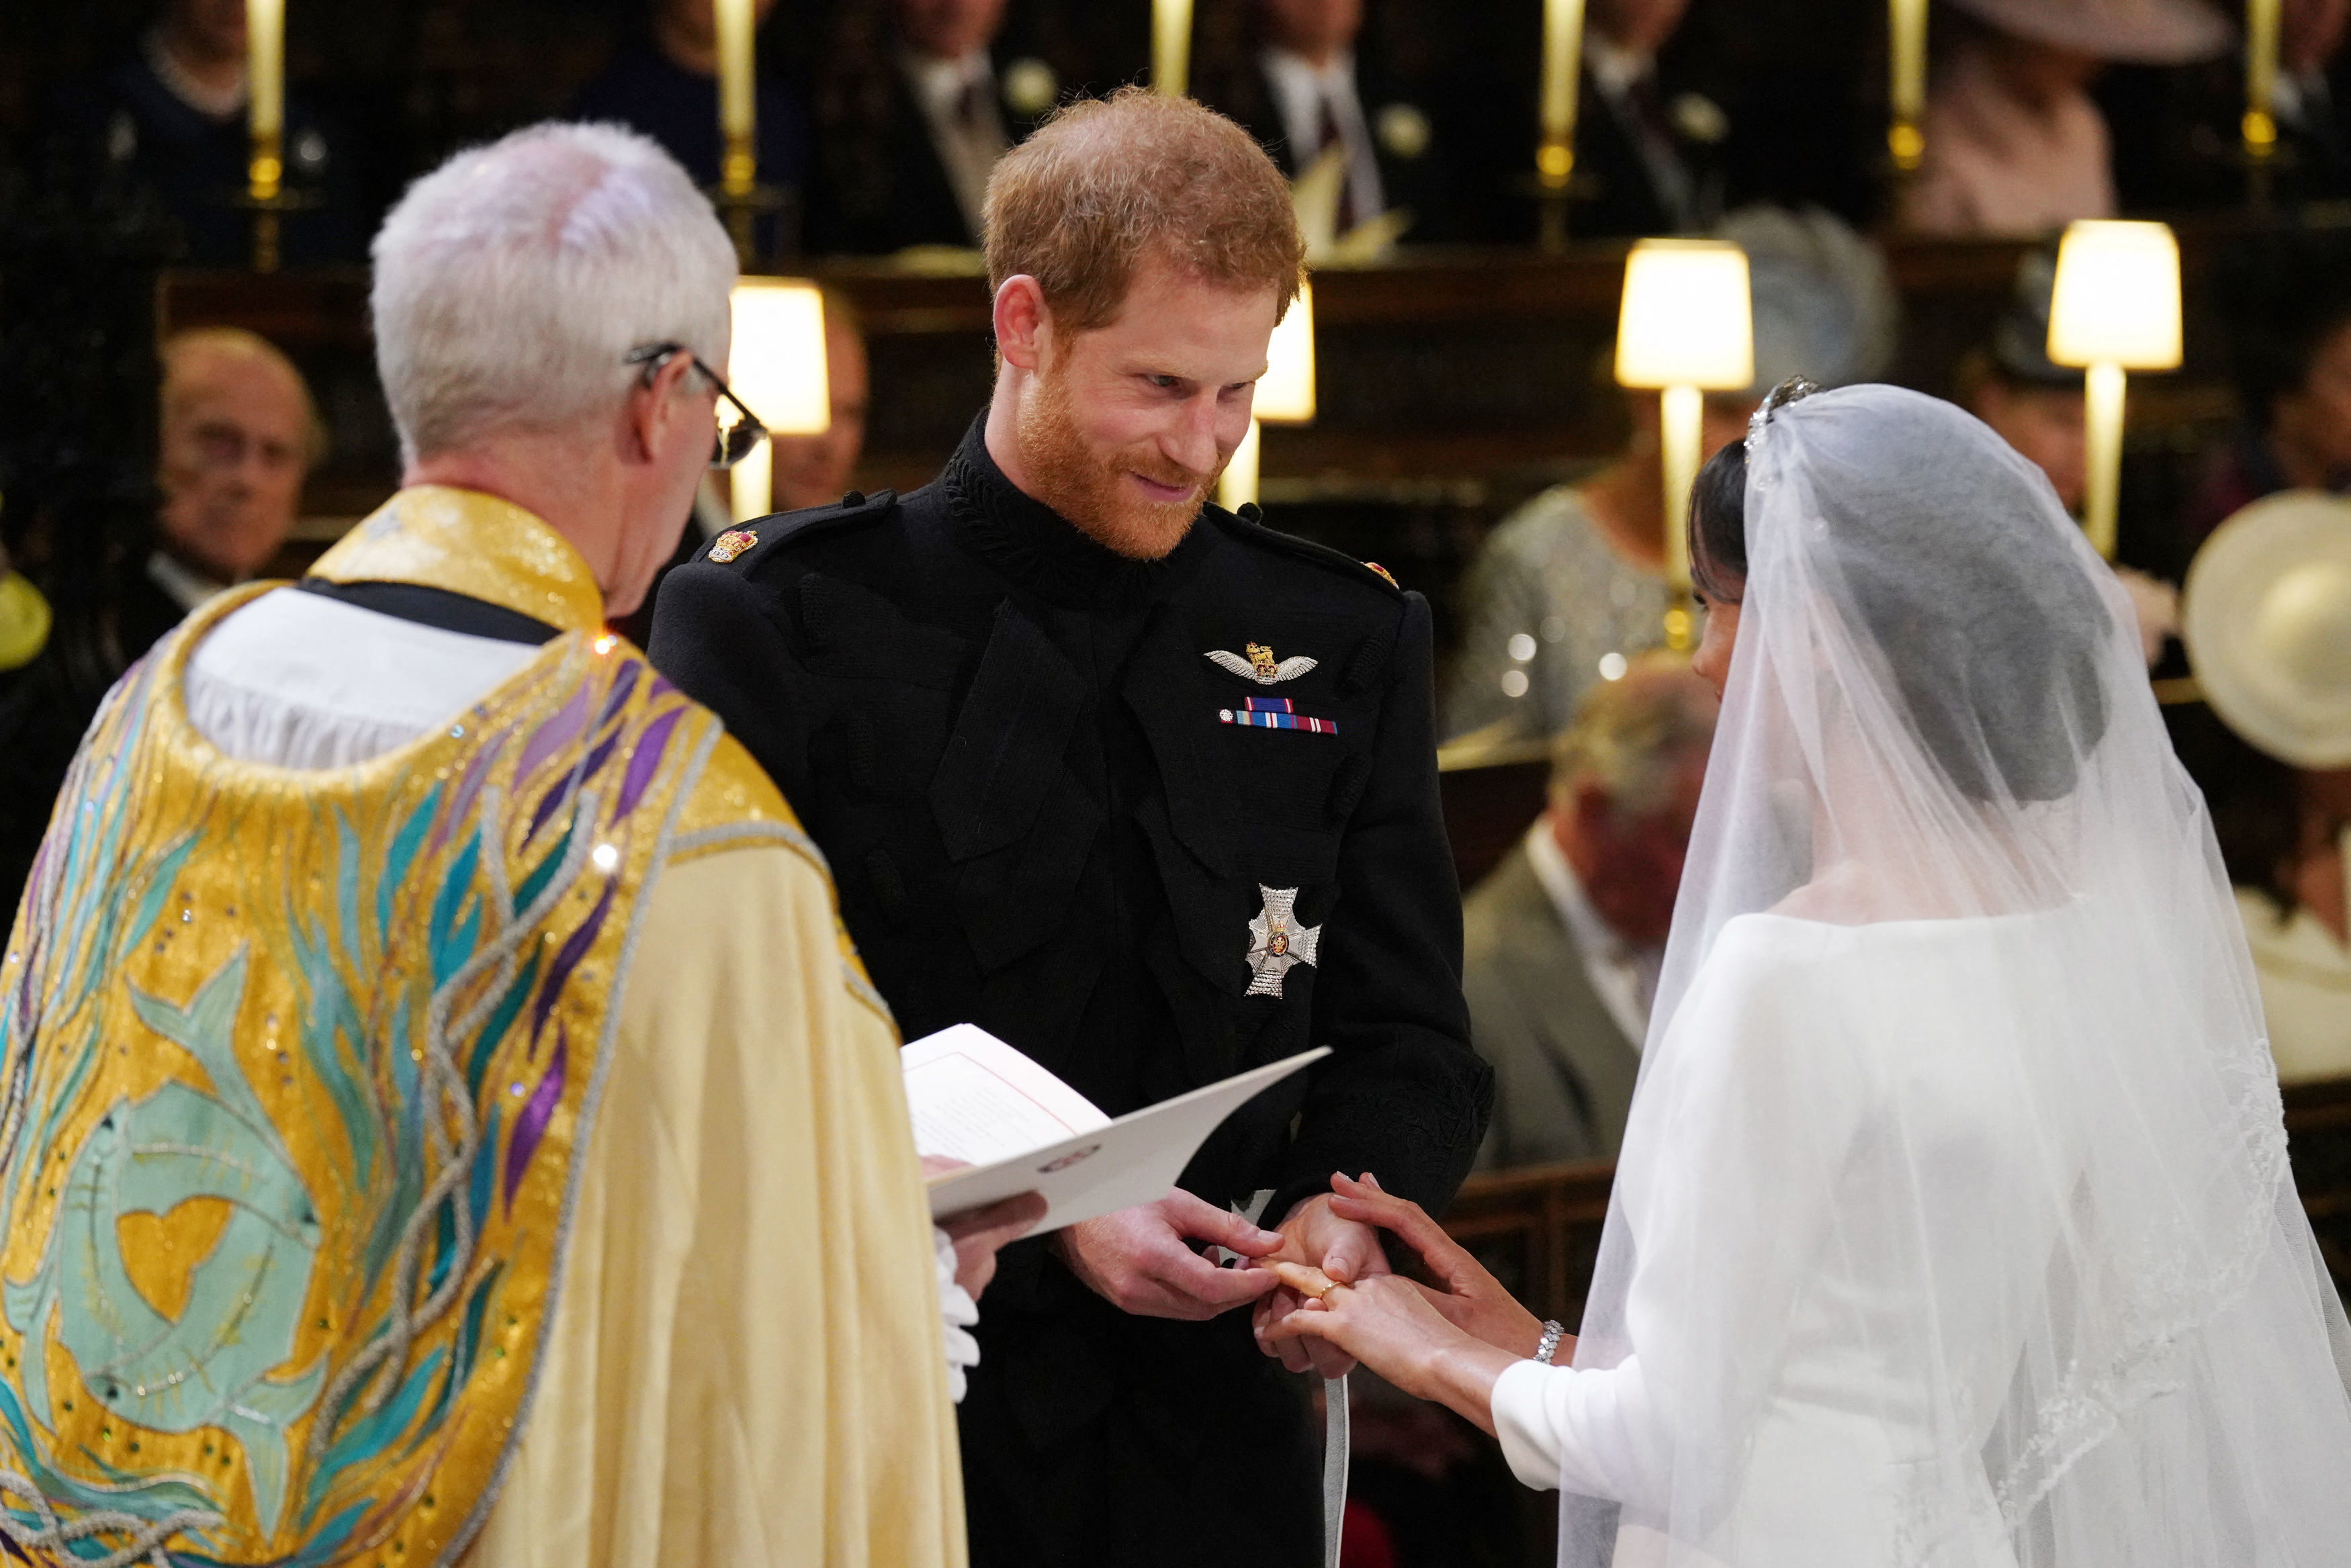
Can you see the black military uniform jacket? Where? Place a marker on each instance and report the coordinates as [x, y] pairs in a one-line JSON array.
[[1052, 812]]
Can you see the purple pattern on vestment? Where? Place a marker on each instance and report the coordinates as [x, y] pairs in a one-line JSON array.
[[563, 788], [568, 958], [557, 733], [624, 682], [531, 1125], [644, 760], [658, 688], [469, 784]]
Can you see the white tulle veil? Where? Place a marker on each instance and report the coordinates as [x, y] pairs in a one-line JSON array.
[[1937, 717]]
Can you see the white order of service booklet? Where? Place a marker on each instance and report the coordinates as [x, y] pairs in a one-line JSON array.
[[1019, 1128]]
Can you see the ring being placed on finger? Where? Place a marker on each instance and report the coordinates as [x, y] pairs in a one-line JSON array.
[[1305, 1281]]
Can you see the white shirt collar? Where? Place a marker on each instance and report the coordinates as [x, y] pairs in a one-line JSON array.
[[1614, 69], [187, 586], [1300, 88], [1622, 976], [938, 83]]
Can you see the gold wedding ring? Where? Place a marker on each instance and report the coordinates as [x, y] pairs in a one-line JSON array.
[[1305, 1281]]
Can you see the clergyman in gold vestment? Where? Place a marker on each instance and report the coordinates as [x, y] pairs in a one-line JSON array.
[[441, 1117]]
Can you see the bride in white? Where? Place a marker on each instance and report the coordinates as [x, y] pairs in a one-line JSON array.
[[1953, 1226]]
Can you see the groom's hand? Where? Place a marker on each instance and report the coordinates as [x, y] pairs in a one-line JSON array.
[[1140, 1259], [1347, 1251]]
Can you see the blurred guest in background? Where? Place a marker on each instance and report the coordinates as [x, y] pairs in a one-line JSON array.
[[1572, 584], [1311, 83], [912, 109], [171, 115], [2179, 137], [2037, 407], [1562, 941], [1643, 156], [239, 432], [665, 82], [2269, 624], [2294, 386], [815, 470], [2014, 143], [2013, 385]]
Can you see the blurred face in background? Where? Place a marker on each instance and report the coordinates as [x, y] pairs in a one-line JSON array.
[[2310, 31], [1640, 25], [2046, 424], [1631, 862], [2311, 426], [237, 441], [1318, 29], [206, 29], [949, 30], [816, 470]]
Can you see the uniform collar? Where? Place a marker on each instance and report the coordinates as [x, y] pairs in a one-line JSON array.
[[466, 542], [1038, 548]]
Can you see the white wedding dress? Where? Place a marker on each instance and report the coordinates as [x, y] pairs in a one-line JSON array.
[[1952, 1227], [1845, 1031]]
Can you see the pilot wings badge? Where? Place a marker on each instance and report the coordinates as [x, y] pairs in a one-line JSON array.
[[1277, 941], [1259, 665]]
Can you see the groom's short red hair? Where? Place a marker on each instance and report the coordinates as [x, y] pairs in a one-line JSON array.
[[1107, 180]]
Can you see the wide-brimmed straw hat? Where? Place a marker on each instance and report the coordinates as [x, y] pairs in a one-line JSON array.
[[2141, 32], [2267, 619]]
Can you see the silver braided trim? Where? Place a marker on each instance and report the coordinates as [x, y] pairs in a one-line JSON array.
[[147, 1536]]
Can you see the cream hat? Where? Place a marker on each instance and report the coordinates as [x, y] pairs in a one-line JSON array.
[[2267, 621], [2141, 32]]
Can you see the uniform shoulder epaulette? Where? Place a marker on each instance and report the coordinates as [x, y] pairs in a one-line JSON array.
[[1248, 523], [744, 545]]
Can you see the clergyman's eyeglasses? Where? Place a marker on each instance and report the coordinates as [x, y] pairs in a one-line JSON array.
[[735, 442]]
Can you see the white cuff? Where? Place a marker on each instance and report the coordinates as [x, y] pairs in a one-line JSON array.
[[1522, 1421], [958, 1313]]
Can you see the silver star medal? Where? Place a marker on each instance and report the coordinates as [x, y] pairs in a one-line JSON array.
[[1277, 941]]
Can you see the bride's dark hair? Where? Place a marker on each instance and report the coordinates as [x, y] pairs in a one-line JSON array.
[[1988, 625]]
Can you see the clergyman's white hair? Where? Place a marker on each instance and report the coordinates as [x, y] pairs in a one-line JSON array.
[[512, 282]]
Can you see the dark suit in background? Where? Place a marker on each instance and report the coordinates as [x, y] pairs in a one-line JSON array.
[[1564, 1070], [879, 184], [1416, 170]]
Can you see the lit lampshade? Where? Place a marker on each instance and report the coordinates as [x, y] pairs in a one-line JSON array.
[[1686, 319], [1688, 328], [2117, 300], [2115, 308], [1285, 393], [775, 365]]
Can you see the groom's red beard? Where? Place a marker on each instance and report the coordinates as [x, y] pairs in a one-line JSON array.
[[1091, 488]]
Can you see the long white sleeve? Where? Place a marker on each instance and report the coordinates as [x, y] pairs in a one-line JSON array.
[[1593, 1429]]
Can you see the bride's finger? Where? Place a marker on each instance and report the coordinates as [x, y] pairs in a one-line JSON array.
[[1312, 1321], [1409, 1220]]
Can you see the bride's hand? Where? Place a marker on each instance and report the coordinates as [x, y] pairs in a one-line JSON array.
[[1391, 1325], [1472, 1299]]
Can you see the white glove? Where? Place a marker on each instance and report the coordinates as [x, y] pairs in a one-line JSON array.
[[957, 1313]]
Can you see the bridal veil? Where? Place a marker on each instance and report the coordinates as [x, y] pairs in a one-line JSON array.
[[2007, 1193]]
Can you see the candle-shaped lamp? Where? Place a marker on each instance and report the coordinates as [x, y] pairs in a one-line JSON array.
[[1562, 58], [1906, 54], [1171, 47], [1285, 396], [2260, 77], [2115, 308], [775, 365], [738, 115], [1686, 328], [264, 95]]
